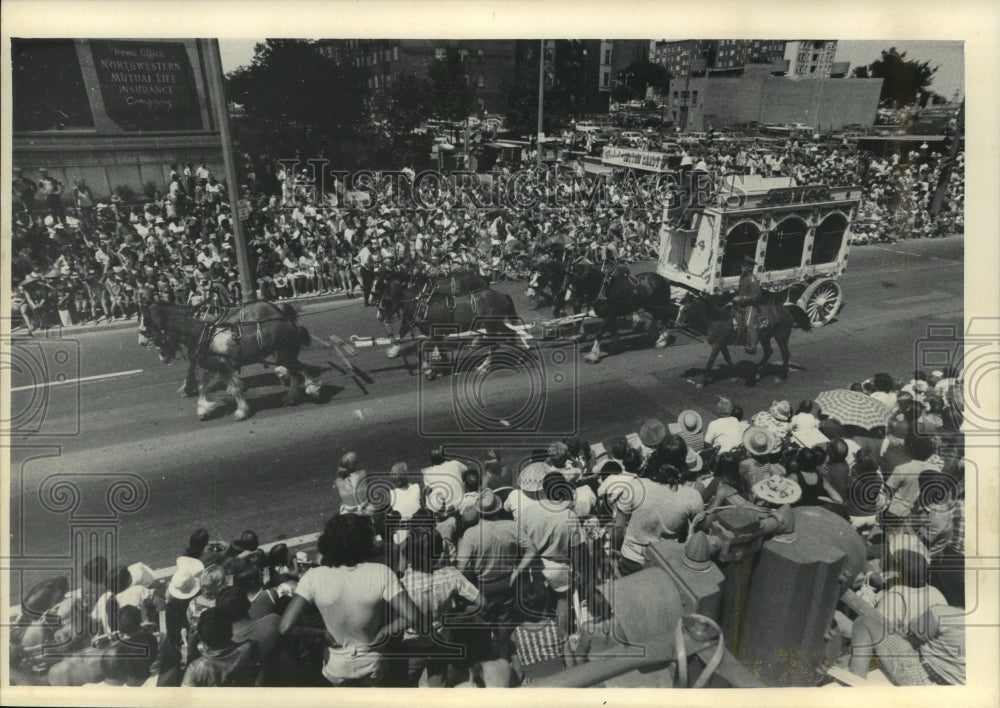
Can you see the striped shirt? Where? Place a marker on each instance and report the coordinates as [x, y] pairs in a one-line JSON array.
[[539, 648], [754, 470]]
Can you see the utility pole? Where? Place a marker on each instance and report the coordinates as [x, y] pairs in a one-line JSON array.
[[217, 94], [541, 103]]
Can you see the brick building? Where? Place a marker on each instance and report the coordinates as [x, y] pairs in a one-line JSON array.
[[692, 56], [489, 63]]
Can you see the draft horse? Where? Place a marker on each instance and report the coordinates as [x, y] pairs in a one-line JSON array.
[[547, 280], [718, 318], [257, 332], [436, 314], [615, 295]]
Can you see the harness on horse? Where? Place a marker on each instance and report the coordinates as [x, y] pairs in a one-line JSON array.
[[616, 270]]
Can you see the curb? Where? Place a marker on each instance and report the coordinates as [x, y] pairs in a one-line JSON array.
[[57, 331]]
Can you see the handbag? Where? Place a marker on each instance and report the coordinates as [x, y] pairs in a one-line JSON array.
[[868, 592]]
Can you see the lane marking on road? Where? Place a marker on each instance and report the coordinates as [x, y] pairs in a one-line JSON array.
[[933, 295], [917, 255], [84, 379]]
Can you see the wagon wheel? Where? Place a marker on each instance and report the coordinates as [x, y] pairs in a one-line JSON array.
[[821, 301]]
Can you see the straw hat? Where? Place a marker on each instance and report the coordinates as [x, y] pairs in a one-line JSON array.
[[689, 421], [694, 461], [778, 490], [759, 441], [530, 479]]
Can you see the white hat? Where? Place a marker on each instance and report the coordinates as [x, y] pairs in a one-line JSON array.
[[185, 583], [694, 461]]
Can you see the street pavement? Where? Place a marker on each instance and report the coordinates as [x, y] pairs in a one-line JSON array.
[[115, 412]]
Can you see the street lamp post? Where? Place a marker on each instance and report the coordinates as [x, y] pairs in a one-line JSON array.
[[541, 101], [218, 99]]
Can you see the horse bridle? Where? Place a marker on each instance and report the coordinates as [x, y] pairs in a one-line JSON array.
[[161, 339]]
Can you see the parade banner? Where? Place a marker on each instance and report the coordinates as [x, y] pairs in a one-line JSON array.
[[642, 159], [147, 85]]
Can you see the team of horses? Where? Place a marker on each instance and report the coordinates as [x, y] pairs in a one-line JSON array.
[[445, 310]]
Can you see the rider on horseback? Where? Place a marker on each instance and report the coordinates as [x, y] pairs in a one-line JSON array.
[[748, 300]]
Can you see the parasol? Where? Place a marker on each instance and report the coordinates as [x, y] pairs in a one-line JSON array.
[[853, 408], [559, 240]]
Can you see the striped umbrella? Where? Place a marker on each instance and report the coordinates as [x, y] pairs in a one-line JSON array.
[[853, 408]]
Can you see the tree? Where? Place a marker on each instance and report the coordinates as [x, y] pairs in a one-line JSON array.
[[643, 74], [397, 111], [450, 89], [904, 82], [303, 101]]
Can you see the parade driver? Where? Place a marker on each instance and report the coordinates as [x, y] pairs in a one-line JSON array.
[[748, 297]]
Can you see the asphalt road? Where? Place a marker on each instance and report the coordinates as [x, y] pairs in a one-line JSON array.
[[119, 415]]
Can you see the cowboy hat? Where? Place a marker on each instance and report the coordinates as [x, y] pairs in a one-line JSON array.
[[777, 490], [185, 583], [759, 441]]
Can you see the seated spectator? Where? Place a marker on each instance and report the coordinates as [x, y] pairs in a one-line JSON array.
[[776, 419], [121, 592], [688, 426], [139, 652], [816, 491], [615, 452], [222, 662], [866, 492], [835, 469], [248, 579], [805, 417], [617, 482], [235, 606], [726, 431], [932, 652], [904, 482], [213, 580], [884, 391], [727, 487], [761, 444], [498, 475]]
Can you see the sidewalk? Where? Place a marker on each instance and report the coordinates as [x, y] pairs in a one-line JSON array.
[[104, 325]]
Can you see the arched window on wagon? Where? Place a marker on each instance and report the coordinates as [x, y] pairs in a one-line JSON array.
[[829, 239], [785, 244], [741, 241]]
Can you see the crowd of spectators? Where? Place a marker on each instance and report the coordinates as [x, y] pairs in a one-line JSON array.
[[472, 573], [87, 262]]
